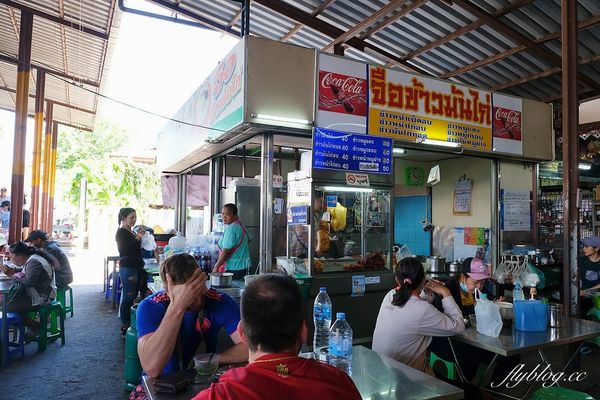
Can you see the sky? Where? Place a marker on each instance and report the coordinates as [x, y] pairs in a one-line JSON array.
[[156, 66]]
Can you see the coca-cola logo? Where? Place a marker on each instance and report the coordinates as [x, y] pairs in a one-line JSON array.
[[510, 116], [348, 84]]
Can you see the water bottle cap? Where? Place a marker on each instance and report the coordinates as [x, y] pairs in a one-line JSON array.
[[322, 289], [340, 315], [483, 295]]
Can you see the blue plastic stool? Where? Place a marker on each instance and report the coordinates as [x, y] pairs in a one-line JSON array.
[[15, 345], [109, 287]]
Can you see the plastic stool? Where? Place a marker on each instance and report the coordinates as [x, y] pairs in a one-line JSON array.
[[55, 311], [559, 393], [61, 297], [18, 346], [450, 368], [109, 287]]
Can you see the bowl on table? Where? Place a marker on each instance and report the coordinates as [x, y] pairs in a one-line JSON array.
[[506, 312]]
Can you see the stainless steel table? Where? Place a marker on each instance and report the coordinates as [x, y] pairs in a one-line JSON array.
[[5, 285], [375, 376], [513, 342]]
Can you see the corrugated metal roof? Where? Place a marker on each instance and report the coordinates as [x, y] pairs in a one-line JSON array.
[[511, 46], [80, 56]]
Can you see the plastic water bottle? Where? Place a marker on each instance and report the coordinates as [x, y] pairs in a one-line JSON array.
[[322, 320], [340, 344], [518, 292]]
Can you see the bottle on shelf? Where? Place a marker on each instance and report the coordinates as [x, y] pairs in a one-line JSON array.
[[322, 321], [518, 291], [340, 344]]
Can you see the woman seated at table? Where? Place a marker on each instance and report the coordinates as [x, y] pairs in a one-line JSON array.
[[473, 275], [33, 283], [406, 323]]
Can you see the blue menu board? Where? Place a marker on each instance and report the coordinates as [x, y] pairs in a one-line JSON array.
[[351, 152]]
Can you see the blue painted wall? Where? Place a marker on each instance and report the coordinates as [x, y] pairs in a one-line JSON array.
[[408, 230]]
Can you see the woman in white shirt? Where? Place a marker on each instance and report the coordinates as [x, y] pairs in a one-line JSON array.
[[406, 322]]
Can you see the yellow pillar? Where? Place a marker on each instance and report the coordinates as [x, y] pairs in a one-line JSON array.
[[36, 170]]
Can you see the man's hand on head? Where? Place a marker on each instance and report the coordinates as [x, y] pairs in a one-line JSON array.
[[185, 294]]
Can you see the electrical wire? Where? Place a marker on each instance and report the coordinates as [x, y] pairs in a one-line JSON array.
[[82, 87]]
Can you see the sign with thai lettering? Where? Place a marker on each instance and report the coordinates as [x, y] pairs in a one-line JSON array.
[[507, 124], [410, 107], [297, 215], [351, 152]]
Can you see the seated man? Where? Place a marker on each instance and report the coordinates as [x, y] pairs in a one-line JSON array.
[[62, 267], [273, 327], [172, 324]]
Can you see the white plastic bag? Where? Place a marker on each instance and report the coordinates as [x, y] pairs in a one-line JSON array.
[[148, 242], [489, 320]]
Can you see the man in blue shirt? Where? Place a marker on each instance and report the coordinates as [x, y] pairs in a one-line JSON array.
[[4, 214], [172, 324]]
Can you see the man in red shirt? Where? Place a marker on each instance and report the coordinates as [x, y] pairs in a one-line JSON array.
[[273, 327]]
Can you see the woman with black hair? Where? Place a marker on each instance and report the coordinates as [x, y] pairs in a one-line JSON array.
[[33, 282], [406, 323], [131, 263]]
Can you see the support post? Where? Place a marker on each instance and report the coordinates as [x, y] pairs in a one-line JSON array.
[[36, 169], [495, 200], [181, 207], [18, 167], [52, 176], [214, 198], [81, 227], [570, 136], [266, 202], [43, 217]]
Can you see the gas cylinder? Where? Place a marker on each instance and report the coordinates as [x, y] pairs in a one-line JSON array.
[[133, 368]]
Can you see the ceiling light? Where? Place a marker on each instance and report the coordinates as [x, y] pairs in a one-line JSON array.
[[347, 189], [398, 150], [433, 142], [585, 167], [281, 119]]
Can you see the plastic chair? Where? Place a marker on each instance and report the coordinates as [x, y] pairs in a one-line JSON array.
[[449, 367], [559, 393], [61, 298], [109, 287], [55, 312], [15, 345]]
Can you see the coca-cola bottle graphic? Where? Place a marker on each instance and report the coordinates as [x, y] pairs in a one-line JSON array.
[[337, 92]]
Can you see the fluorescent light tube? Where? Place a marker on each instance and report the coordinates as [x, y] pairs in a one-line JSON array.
[[347, 189], [433, 142], [398, 150], [585, 167], [282, 119]]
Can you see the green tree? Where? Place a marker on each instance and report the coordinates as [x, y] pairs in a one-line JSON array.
[[112, 181]]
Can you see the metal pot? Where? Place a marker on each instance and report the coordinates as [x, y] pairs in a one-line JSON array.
[[437, 264], [555, 315], [454, 266], [506, 310], [221, 279]]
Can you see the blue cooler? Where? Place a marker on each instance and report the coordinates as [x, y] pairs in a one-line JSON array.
[[530, 315]]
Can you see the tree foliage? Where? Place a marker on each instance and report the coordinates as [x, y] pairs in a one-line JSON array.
[[111, 181]]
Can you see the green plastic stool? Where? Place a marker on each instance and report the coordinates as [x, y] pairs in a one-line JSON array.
[[55, 312], [61, 297], [449, 366], [559, 393]]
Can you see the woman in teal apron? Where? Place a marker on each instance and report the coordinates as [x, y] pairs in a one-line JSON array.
[[234, 254]]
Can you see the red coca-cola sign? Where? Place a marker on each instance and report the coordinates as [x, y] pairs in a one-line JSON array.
[[507, 123], [342, 93]]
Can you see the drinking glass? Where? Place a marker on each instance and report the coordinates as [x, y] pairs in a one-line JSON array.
[[206, 365]]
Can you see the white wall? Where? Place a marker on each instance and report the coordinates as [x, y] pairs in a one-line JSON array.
[[479, 170], [516, 175]]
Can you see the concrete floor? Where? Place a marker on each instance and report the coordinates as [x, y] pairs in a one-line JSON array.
[[90, 365]]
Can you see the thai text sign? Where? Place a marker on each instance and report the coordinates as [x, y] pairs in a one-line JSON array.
[[351, 152], [410, 107]]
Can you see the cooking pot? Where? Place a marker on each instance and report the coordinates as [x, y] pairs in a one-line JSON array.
[[221, 279], [506, 309], [454, 266], [555, 315], [436, 264]]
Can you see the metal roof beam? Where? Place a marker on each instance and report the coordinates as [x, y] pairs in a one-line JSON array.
[[382, 12], [314, 13], [580, 26], [377, 27], [334, 32], [60, 74], [58, 20], [541, 52], [190, 14], [56, 103], [465, 29]]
